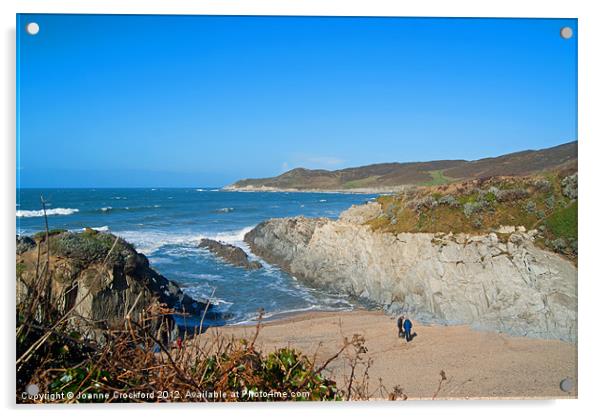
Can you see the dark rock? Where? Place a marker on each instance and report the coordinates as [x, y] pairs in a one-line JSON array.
[[230, 253], [24, 243], [104, 279]]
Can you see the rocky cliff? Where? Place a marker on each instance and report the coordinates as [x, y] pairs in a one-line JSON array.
[[496, 281], [100, 277]]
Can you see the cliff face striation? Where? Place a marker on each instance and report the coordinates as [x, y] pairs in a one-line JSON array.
[[496, 281]]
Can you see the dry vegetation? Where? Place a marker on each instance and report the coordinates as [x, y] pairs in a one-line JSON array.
[[547, 203]]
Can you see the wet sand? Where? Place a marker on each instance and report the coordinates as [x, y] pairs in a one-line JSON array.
[[477, 364]]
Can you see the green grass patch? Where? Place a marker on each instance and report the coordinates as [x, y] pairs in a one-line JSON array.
[[563, 222], [437, 178]]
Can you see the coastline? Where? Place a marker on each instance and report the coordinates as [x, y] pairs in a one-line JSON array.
[[477, 364], [252, 189]]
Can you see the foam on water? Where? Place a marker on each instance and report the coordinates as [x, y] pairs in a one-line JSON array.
[[49, 212], [104, 228], [149, 242]]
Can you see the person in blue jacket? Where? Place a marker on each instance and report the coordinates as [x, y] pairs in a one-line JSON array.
[[407, 329]]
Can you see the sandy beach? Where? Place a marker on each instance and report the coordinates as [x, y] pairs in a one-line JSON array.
[[476, 364]]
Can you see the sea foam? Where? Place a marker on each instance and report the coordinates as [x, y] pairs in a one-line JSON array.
[[49, 212], [148, 242]]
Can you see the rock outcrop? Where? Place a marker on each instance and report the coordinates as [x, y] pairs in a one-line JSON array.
[[24, 243], [230, 253], [102, 279], [507, 285]]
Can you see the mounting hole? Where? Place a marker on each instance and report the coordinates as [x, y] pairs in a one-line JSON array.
[[32, 28], [566, 32], [566, 385]]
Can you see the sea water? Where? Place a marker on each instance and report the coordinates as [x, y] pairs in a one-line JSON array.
[[167, 224]]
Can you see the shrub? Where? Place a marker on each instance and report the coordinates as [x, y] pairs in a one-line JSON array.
[[550, 202], [471, 208], [449, 200], [543, 185], [569, 186], [574, 246], [509, 195], [427, 202], [558, 245], [530, 206]]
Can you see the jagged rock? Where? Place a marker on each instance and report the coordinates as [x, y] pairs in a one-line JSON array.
[[515, 288], [24, 243], [230, 253], [103, 279], [360, 214]]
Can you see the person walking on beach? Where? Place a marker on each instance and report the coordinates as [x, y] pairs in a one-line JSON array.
[[400, 326], [407, 329]]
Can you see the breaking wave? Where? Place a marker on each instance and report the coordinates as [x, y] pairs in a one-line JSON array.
[[148, 242], [49, 212], [224, 210]]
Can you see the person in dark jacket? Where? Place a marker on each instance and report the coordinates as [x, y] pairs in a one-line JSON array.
[[400, 326], [407, 329]]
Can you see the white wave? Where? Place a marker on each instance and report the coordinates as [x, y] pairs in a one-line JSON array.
[[103, 228], [49, 212], [232, 237], [252, 318], [201, 276], [214, 190], [107, 209], [225, 210], [218, 301], [323, 200], [200, 190], [148, 242]]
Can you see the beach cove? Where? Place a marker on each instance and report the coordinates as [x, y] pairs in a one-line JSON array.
[[477, 364]]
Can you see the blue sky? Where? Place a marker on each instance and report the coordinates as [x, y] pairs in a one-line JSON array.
[[185, 101]]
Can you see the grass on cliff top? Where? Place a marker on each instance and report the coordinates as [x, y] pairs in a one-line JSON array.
[[89, 246], [563, 222], [480, 206]]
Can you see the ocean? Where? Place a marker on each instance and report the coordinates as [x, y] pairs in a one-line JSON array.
[[166, 225]]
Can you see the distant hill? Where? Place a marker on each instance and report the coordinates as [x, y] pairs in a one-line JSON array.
[[393, 175]]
